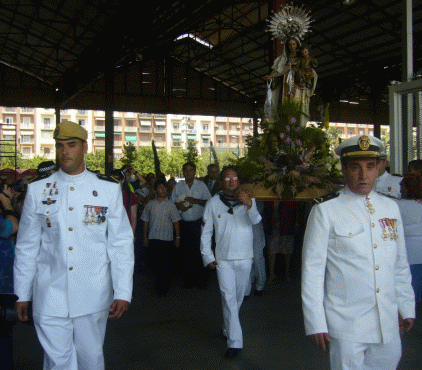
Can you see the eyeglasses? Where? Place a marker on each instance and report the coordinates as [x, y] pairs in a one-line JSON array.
[[230, 178]]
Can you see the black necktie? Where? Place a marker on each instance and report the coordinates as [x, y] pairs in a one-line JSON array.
[[229, 201]]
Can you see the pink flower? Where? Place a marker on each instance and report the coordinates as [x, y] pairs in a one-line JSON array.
[[297, 129], [288, 140], [298, 142], [281, 136], [287, 128], [293, 121]]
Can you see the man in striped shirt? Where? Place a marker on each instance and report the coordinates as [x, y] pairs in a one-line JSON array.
[[160, 216]]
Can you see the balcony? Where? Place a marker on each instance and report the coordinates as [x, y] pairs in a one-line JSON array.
[[99, 142], [221, 132], [81, 112], [118, 143], [234, 132], [27, 142], [145, 115], [27, 126], [145, 129], [130, 115], [160, 116], [145, 143], [161, 129], [46, 141], [131, 129], [27, 110], [99, 128], [160, 144], [176, 143]]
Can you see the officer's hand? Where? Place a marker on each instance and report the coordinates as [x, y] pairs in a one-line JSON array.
[[408, 324], [245, 198], [22, 310], [213, 265], [319, 339], [117, 308]]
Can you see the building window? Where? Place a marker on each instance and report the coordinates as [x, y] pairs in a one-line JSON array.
[[9, 120], [47, 152], [26, 122], [47, 135], [205, 127], [47, 122], [81, 122], [175, 126], [26, 139]]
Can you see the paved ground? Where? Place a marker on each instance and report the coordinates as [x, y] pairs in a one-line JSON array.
[[182, 332]]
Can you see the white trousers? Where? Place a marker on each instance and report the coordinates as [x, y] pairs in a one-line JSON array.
[[233, 277], [72, 343], [364, 356]]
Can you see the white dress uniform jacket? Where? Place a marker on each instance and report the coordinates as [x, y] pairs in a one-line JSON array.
[[389, 185], [355, 275], [74, 246], [233, 232]]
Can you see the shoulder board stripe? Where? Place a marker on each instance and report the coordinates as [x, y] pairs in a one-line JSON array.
[[387, 195], [326, 197], [40, 177], [108, 178]]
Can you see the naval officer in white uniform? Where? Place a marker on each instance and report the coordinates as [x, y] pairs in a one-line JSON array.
[[232, 213], [74, 257], [386, 183], [355, 275]]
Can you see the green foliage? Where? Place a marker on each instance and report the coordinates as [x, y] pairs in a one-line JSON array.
[[129, 157], [7, 156], [96, 161], [192, 152]]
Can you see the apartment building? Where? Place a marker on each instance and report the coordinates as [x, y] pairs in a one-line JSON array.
[[32, 129]]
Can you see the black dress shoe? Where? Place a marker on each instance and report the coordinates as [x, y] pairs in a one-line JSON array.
[[258, 293], [232, 352]]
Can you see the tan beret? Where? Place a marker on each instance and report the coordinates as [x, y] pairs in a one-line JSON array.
[[68, 130]]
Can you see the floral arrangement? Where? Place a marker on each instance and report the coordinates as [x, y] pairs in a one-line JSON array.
[[290, 158]]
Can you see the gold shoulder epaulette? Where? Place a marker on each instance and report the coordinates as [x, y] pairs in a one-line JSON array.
[[39, 177], [108, 178], [326, 197]]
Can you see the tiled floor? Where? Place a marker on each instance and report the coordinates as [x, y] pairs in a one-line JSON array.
[[182, 332]]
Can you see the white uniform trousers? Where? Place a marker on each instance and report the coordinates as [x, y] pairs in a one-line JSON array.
[[346, 355], [233, 277], [72, 343]]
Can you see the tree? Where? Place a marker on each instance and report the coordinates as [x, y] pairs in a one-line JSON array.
[[130, 154], [333, 135], [192, 152], [31, 162], [175, 160], [7, 156], [96, 161]]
